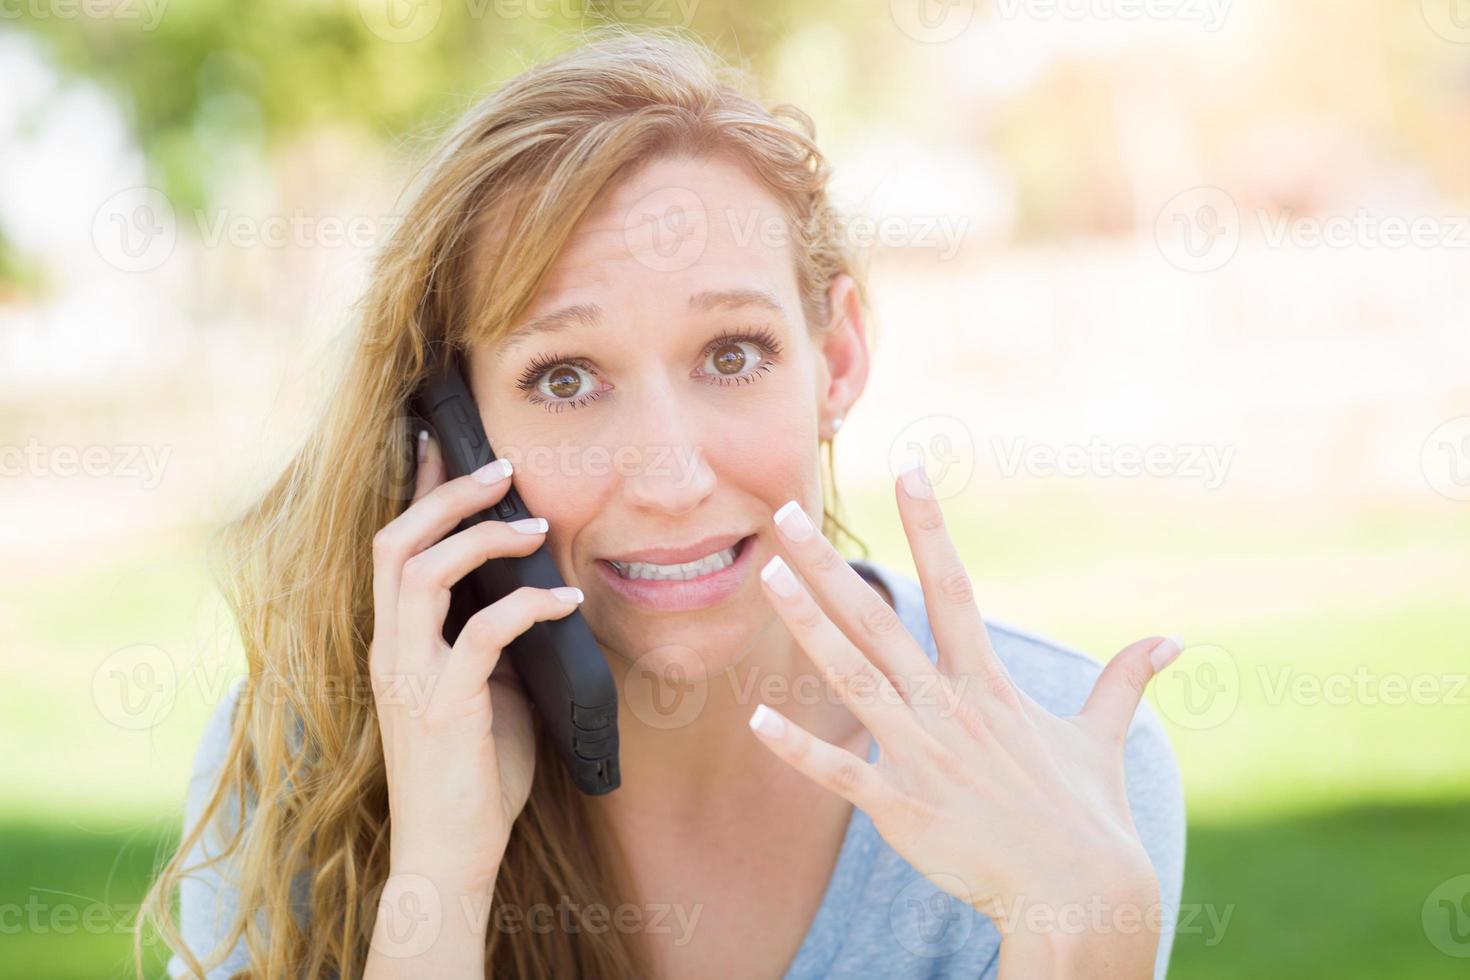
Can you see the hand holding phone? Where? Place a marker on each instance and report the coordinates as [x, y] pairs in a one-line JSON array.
[[558, 660], [459, 743]]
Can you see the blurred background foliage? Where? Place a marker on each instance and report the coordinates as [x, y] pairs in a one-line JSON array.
[[1338, 541]]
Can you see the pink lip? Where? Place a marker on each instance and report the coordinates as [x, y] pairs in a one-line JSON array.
[[696, 593]]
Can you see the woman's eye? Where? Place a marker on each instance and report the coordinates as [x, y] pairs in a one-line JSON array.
[[563, 382], [735, 360], [558, 385]]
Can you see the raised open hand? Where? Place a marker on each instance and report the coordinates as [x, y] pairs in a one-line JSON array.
[[993, 797]]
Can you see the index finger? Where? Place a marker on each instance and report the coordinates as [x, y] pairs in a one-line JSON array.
[[854, 605], [438, 505], [430, 471]]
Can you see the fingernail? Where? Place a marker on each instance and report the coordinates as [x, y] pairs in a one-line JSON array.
[[793, 522], [778, 576], [493, 471], [567, 593], [915, 480], [423, 446], [767, 722], [528, 525], [1166, 652]]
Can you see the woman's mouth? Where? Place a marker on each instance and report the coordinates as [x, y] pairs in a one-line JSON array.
[[694, 583]]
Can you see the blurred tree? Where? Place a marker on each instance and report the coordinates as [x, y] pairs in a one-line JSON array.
[[203, 80]]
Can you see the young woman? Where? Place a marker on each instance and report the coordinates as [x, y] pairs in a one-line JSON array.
[[637, 264]]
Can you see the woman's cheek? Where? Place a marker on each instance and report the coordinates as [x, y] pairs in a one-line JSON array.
[[770, 450]]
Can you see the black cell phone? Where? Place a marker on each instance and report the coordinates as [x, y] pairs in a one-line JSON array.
[[563, 670]]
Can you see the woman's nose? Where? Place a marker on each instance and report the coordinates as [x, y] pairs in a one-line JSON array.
[[669, 472]]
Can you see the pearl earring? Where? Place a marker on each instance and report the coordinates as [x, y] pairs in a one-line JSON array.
[[836, 424]]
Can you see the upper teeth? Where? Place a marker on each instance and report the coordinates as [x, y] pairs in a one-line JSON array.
[[686, 570]]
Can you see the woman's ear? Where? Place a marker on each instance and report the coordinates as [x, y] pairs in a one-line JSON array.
[[844, 352]]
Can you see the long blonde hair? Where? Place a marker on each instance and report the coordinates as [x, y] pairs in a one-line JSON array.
[[534, 154]]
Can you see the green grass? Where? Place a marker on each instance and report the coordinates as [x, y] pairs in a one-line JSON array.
[[70, 897], [1336, 894]]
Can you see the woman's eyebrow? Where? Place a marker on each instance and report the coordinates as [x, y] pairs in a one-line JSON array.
[[590, 314], [729, 299]]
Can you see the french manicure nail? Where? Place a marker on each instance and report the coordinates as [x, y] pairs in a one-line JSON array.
[[567, 593], [1166, 652], [493, 471], [778, 576], [915, 479], [767, 722], [793, 522], [528, 525]]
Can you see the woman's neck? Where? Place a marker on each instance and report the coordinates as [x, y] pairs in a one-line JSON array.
[[686, 751]]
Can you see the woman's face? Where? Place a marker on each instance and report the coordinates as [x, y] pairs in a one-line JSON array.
[[661, 397]]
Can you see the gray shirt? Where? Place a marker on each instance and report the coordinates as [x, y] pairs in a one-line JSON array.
[[878, 916]]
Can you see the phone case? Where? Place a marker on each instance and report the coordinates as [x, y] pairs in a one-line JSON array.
[[559, 662]]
